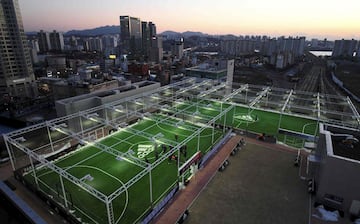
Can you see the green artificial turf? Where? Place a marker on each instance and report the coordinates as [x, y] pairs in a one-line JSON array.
[[110, 173]]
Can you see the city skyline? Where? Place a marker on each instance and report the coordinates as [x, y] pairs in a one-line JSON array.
[[313, 19]]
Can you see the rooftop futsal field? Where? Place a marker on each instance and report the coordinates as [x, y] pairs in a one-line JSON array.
[[254, 120], [146, 142], [120, 162]]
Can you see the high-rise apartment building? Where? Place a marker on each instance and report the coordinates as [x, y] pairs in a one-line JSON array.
[[109, 44], [178, 48], [148, 30], [16, 72], [344, 48], [146, 39], [156, 50], [56, 41], [294, 45], [266, 46], [44, 41], [93, 44], [138, 39], [34, 44], [53, 41], [152, 29], [110, 41], [130, 35]]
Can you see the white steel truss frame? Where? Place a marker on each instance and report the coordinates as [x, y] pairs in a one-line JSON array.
[[104, 121]]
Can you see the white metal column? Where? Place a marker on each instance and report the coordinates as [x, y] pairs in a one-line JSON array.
[[49, 135], [150, 182], [198, 143], [34, 172], [126, 108], [279, 121], [234, 112], [246, 96], [63, 190], [224, 122], [11, 155], [178, 161], [213, 130], [81, 126], [110, 211]]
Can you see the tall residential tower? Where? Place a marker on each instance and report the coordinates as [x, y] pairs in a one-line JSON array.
[[16, 72], [137, 38], [344, 48], [130, 34], [56, 41]]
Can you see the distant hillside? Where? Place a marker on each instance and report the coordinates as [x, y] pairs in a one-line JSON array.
[[31, 33], [172, 34], [192, 33], [103, 30]]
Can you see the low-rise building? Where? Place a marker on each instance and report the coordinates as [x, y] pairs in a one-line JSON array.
[[335, 168], [86, 101], [214, 70]]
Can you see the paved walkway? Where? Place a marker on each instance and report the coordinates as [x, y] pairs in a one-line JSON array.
[[174, 210]]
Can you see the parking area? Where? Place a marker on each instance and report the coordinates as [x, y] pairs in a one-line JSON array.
[[260, 185]]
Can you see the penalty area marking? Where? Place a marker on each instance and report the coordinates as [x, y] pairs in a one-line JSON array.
[[246, 117], [132, 147], [308, 124], [172, 132], [117, 179]]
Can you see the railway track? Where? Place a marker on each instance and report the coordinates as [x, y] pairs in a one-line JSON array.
[[310, 82], [317, 81]]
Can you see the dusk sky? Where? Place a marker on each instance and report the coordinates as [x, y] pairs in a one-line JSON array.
[[312, 18]]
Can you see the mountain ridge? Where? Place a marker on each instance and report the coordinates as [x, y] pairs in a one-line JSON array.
[[97, 31], [114, 29]]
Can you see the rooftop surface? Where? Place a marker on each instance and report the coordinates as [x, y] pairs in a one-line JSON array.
[[260, 185], [344, 146], [274, 176]]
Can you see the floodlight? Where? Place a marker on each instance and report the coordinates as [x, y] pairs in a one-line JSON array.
[[63, 125], [155, 96], [81, 142], [87, 177], [20, 139], [122, 125], [179, 123], [137, 102], [196, 112], [118, 108], [59, 127], [92, 115]]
